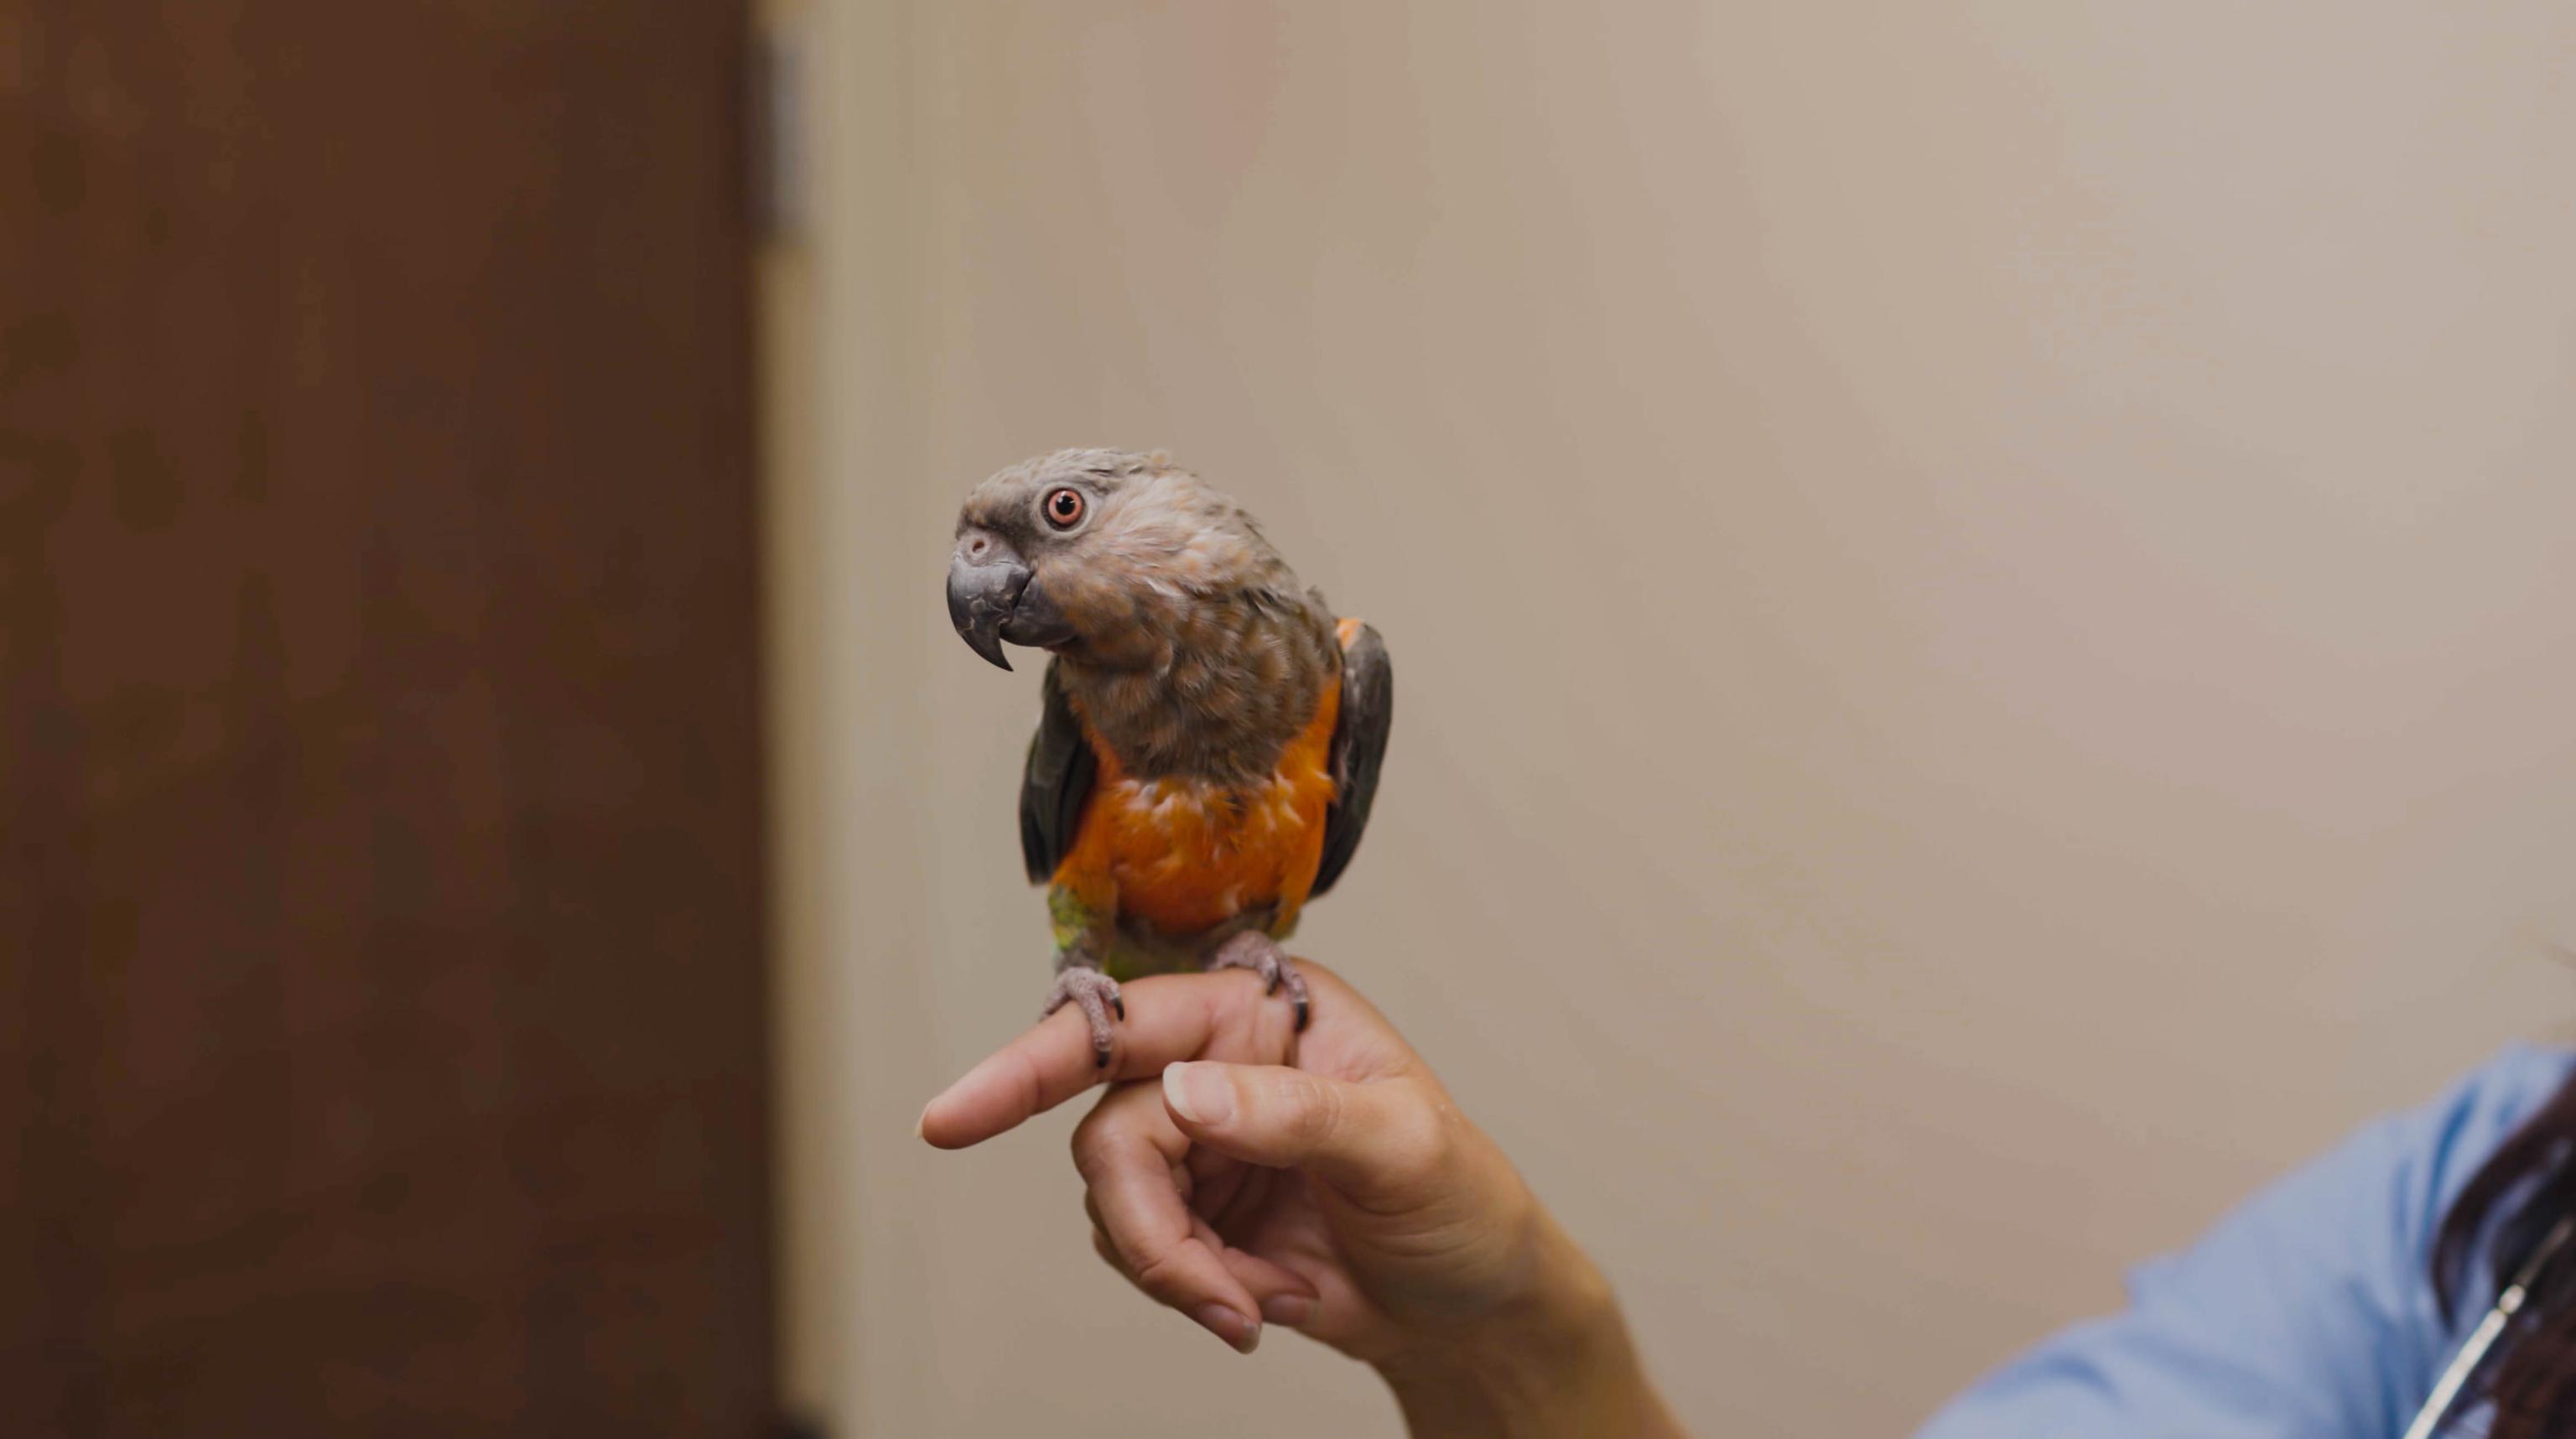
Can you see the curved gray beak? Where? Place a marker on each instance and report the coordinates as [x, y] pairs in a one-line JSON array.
[[983, 593]]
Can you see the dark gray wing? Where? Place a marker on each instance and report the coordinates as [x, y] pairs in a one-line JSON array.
[[1058, 779], [1359, 747]]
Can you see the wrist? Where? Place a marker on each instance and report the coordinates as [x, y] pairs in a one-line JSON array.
[[1555, 1360]]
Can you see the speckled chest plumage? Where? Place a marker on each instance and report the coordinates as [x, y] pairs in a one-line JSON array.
[[1186, 860]]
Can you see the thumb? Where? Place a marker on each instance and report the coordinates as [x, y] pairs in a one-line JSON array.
[[1385, 1140]]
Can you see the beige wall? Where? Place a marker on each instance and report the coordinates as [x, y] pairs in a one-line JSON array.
[[1984, 595]]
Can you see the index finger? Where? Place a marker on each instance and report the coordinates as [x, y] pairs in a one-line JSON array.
[[1170, 1017]]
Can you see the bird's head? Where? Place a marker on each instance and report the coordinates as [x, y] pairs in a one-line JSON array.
[[1083, 551]]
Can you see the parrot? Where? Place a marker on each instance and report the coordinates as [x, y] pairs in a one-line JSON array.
[[1210, 734]]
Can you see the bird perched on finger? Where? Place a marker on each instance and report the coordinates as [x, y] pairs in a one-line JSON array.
[[1211, 736]]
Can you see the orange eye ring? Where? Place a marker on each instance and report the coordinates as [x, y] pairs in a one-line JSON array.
[[1064, 507]]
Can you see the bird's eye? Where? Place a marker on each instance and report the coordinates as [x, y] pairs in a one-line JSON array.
[[1063, 507]]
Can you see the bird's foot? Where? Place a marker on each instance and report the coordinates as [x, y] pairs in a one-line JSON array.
[[1096, 994], [1261, 954]]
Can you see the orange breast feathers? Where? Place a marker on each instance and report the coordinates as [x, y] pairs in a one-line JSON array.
[[1187, 855]]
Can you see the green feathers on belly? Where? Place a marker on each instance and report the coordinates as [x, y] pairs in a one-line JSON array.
[[1130, 951]]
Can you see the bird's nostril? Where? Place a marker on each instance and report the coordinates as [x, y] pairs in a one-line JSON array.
[[975, 547]]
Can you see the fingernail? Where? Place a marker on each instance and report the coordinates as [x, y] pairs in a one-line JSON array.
[[1199, 1093], [1229, 1326], [1291, 1310], [919, 1124]]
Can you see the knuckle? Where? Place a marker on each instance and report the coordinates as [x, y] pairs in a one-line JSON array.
[[1313, 1111], [1028, 1084], [1421, 1136], [1156, 1274], [1108, 1251], [1094, 1154]]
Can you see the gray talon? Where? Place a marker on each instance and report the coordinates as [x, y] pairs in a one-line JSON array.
[[1096, 995], [1261, 954]]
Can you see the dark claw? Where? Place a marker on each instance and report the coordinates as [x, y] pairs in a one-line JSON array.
[[1301, 1014], [1117, 1002], [1100, 1058]]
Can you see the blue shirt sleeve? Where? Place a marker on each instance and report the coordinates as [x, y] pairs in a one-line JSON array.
[[2309, 1311]]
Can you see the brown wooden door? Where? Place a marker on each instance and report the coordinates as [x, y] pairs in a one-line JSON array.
[[381, 971]]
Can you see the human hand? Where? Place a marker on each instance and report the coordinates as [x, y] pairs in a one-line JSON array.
[[1327, 1183]]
